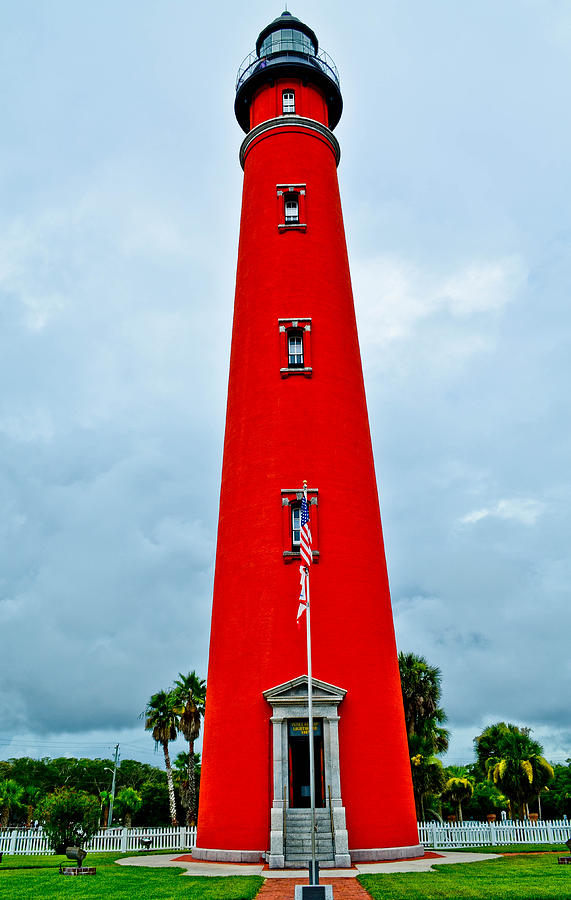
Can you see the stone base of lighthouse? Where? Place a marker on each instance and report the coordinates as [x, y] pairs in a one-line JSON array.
[[290, 816], [376, 854]]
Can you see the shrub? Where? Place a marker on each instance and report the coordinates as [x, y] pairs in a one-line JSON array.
[[128, 802], [70, 818]]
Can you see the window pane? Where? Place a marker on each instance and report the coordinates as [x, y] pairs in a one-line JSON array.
[[291, 210], [287, 39], [288, 102], [295, 525], [295, 350]]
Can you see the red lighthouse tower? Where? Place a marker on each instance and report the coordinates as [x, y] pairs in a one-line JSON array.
[[297, 410]]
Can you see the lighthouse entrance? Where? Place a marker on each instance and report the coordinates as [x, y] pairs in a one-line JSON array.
[[290, 765], [298, 759]]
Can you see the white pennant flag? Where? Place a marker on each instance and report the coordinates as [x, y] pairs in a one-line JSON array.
[[302, 598]]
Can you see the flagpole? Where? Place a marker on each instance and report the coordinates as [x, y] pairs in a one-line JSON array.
[[305, 541], [310, 723]]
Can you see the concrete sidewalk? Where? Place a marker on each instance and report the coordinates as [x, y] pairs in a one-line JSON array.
[[194, 868]]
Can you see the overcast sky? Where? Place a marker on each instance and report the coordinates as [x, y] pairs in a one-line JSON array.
[[120, 188]]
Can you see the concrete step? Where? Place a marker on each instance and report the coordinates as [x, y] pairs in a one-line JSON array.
[[306, 813], [305, 821], [306, 832], [298, 838], [303, 863], [302, 814], [305, 843], [306, 826], [300, 860], [305, 851], [306, 836]]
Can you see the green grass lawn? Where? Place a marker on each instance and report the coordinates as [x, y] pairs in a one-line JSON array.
[[525, 877], [27, 877], [559, 849], [522, 877]]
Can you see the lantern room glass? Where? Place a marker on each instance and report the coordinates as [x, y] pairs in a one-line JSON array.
[[287, 39]]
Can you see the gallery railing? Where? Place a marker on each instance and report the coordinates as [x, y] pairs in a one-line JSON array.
[[254, 63]]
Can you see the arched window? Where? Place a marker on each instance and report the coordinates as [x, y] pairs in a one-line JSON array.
[[288, 102], [295, 348], [291, 209]]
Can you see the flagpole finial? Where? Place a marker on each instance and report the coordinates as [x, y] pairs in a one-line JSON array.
[[304, 483]]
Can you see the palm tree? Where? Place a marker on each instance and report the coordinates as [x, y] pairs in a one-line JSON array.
[[190, 695], [514, 762], [513, 777], [519, 773], [542, 774], [161, 720], [105, 800], [11, 794], [427, 778], [458, 790], [32, 796], [494, 739], [180, 772], [129, 801], [420, 685]]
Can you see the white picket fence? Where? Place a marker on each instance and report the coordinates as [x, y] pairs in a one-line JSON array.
[[452, 835], [17, 841], [449, 836]]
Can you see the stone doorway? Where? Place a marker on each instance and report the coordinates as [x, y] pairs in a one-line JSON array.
[[289, 712]]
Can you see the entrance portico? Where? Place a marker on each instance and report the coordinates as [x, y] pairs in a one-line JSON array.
[[290, 735]]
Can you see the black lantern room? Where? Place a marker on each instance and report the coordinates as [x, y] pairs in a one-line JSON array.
[[287, 47]]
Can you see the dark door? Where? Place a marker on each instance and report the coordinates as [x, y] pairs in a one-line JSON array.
[[298, 741]]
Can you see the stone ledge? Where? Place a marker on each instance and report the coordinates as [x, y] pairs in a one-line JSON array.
[[281, 124], [377, 853], [229, 856], [77, 870]]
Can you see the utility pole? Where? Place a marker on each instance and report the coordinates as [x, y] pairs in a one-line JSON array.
[[110, 820]]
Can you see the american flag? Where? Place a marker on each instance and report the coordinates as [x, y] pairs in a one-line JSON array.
[[305, 533]]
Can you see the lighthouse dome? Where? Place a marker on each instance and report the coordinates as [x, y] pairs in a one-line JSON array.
[[287, 47], [286, 33]]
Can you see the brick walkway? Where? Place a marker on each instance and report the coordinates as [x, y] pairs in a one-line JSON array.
[[283, 888]]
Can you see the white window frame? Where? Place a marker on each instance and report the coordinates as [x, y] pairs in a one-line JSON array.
[[291, 201], [288, 103], [295, 349], [295, 526]]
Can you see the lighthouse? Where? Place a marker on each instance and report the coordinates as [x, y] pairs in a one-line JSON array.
[[297, 412]]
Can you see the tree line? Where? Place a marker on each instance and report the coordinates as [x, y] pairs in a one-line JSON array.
[[142, 795], [510, 773], [79, 790]]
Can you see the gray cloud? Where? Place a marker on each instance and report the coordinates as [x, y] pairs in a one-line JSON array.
[[119, 223]]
